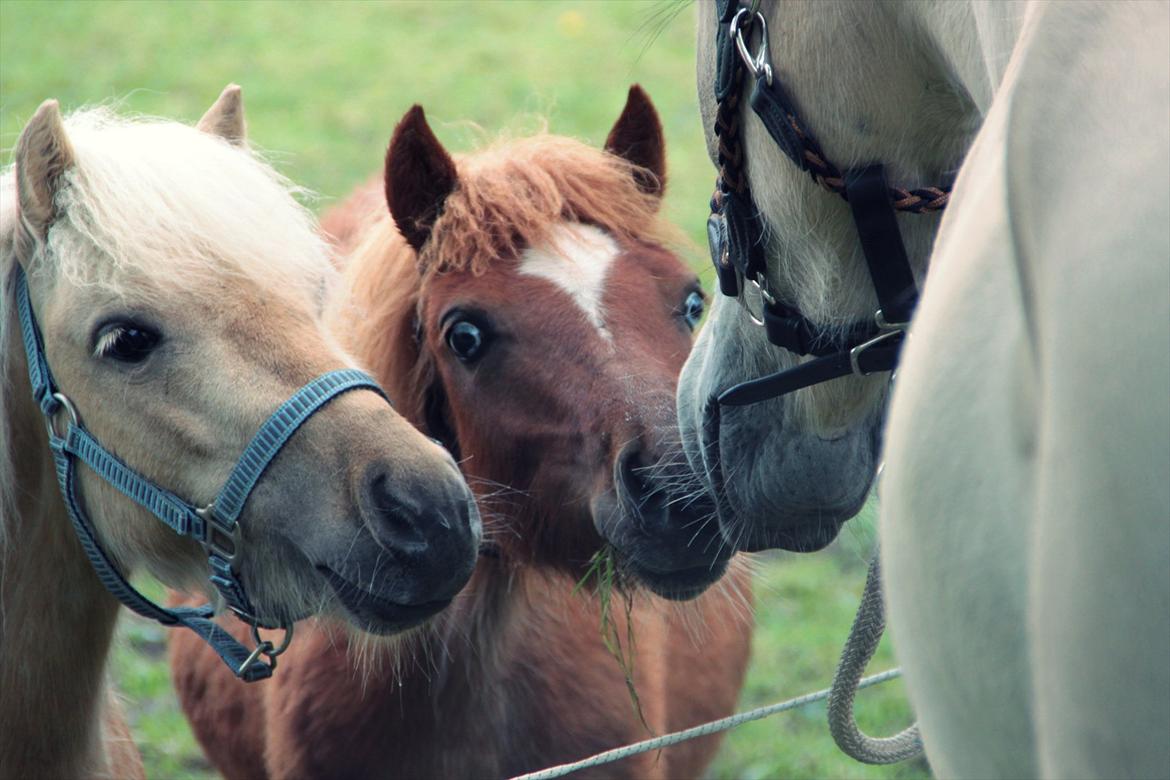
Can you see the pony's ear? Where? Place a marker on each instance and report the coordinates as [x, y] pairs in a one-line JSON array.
[[225, 118], [637, 138], [43, 154], [419, 177]]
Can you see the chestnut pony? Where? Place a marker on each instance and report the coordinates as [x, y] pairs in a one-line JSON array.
[[525, 311]]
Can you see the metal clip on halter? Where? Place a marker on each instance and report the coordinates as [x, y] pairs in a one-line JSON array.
[[265, 648], [63, 403], [766, 298], [216, 533], [758, 64], [889, 332]]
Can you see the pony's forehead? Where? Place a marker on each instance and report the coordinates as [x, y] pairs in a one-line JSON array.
[[159, 200], [515, 194]]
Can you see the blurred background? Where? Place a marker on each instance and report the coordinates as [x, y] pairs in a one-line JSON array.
[[324, 83]]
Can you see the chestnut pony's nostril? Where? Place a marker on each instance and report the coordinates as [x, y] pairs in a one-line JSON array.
[[634, 475]]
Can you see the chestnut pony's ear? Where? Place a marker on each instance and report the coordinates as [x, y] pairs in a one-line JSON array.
[[419, 177], [43, 154], [225, 118], [637, 138]]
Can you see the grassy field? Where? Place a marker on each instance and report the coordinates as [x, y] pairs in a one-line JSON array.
[[324, 84]]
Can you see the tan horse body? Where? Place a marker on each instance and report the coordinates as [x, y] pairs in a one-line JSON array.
[[515, 675]]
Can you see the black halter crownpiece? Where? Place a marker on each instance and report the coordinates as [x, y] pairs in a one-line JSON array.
[[214, 526], [735, 232]]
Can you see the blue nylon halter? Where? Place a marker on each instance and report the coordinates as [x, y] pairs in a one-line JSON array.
[[214, 526]]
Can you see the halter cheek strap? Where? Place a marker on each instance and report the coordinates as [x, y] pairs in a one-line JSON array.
[[214, 526], [735, 231]]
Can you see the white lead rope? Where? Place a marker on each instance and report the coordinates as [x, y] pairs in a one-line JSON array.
[[723, 724]]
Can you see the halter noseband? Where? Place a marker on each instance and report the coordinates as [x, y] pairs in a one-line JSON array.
[[214, 526], [735, 232]]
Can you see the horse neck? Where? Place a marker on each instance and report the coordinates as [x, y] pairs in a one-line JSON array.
[[56, 619], [905, 85]]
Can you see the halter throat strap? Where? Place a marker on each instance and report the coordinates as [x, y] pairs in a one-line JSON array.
[[214, 526]]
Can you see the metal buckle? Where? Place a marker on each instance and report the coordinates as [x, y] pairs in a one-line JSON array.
[[68, 406], [266, 648], [215, 534], [766, 298], [879, 319], [758, 63], [855, 353]]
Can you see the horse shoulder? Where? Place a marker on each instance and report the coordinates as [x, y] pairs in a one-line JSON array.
[[957, 486], [1090, 164]]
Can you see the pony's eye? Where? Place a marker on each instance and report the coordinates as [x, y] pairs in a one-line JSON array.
[[466, 340], [692, 309], [126, 342]]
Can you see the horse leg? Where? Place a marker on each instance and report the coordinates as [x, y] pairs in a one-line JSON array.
[[226, 715]]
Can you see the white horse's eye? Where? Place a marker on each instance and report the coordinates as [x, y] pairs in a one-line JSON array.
[[692, 309], [126, 342]]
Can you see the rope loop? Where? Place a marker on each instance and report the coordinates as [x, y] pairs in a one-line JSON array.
[[863, 640]]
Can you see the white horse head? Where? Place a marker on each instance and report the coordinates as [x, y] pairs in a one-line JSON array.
[[790, 471]]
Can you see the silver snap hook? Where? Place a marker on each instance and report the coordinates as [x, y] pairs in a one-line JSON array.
[[758, 63]]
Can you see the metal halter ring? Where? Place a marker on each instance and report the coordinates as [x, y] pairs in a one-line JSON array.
[[266, 648], [759, 63], [68, 406], [766, 298]]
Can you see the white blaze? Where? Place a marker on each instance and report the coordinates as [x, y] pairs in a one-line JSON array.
[[577, 262]]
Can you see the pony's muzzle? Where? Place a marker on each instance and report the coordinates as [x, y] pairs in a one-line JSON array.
[[430, 526]]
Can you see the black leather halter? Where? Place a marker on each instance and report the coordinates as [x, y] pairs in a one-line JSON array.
[[735, 231]]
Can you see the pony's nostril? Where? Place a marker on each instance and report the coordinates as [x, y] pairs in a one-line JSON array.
[[647, 499], [631, 474], [395, 522]]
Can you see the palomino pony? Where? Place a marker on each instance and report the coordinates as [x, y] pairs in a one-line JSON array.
[[1025, 522], [529, 315], [178, 289]]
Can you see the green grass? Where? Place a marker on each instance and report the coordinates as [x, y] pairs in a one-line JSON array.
[[324, 84]]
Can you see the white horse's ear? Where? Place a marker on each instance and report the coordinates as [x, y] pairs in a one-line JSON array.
[[43, 154], [225, 118]]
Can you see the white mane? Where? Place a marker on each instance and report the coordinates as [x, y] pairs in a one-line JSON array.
[[159, 201]]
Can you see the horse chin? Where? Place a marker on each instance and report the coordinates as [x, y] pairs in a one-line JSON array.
[[677, 585], [757, 512], [776, 484], [675, 553], [377, 614], [804, 538]]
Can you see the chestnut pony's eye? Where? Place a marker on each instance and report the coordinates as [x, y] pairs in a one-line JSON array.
[[467, 340], [126, 342], [692, 309]]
